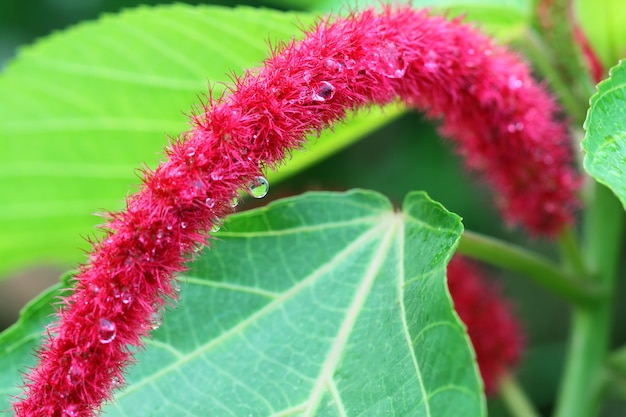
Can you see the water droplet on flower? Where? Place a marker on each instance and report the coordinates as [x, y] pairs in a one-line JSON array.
[[191, 151], [515, 83], [126, 297], [350, 63], [216, 175], [326, 91], [75, 374], [176, 285], [259, 187], [183, 225], [215, 228], [106, 331], [71, 410], [333, 65], [515, 127], [169, 227], [431, 61], [234, 202], [470, 59], [156, 320], [210, 203], [116, 382], [392, 64]]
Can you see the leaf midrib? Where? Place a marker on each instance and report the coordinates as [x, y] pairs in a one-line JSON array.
[[368, 235]]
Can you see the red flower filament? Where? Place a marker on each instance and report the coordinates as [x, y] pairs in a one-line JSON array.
[[501, 120]]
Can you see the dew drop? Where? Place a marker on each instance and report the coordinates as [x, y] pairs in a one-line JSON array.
[[116, 382], [431, 61], [392, 64], [259, 187], [215, 228], [126, 297], [326, 91], [156, 320], [216, 175], [176, 285], [106, 331], [210, 203], [71, 410], [169, 227], [350, 63], [191, 151], [515, 127], [515, 83], [183, 225], [75, 374], [333, 65], [234, 202]]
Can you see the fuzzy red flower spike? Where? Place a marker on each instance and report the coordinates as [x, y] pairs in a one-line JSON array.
[[494, 331], [503, 122]]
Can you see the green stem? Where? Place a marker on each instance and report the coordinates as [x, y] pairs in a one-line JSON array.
[[515, 398], [617, 360], [541, 270], [581, 389], [570, 252]]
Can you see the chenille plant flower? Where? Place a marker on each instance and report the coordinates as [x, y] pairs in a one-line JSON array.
[[508, 129], [504, 124]]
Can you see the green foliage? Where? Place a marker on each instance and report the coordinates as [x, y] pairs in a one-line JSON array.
[[81, 110], [603, 23], [604, 146], [322, 304]]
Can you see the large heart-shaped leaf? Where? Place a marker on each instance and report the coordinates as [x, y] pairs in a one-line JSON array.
[[605, 140], [81, 110], [319, 305]]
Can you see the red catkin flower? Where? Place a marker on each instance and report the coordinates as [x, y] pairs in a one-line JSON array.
[[501, 120], [494, 331]]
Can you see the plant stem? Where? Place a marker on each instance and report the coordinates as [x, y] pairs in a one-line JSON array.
[[582, 385], [570, 252], [541, 270], [515, 398]]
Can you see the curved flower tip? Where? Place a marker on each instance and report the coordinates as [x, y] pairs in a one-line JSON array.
[[494, 331], [503, 122]]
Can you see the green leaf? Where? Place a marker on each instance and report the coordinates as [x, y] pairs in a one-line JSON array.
[[603, 23], [81, 110], [323, 304], [605, 139]]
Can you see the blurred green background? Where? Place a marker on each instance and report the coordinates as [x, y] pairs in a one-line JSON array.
[[403, 156]]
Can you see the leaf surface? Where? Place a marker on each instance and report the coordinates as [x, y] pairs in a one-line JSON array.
[[605, 139], [81, 110], [324, 304]]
